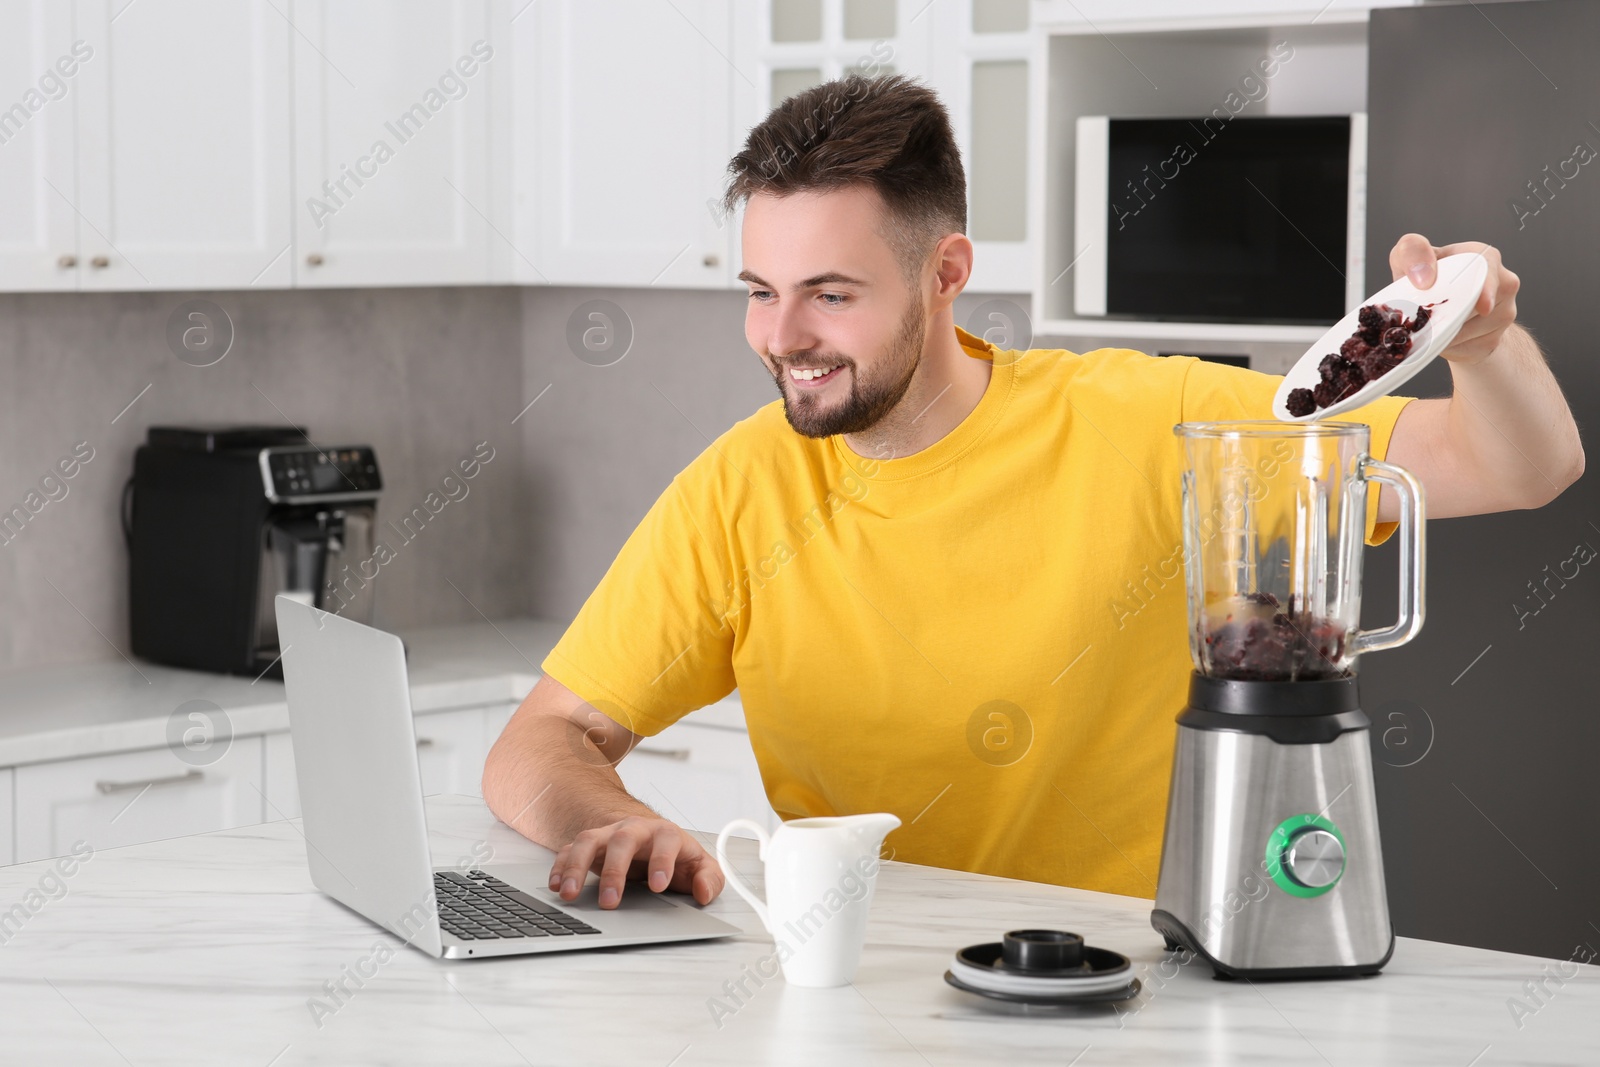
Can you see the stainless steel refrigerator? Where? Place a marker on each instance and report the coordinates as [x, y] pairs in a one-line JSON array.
[[1485, 125]]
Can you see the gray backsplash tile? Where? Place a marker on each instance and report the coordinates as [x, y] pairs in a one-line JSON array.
[[604, 441], [421, 374]]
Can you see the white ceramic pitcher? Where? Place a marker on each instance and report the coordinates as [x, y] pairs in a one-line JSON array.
[[820, 874]]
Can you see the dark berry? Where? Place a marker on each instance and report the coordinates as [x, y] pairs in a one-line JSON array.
[[1282, 648], [1300, 403], [1381, 341], [1374, 319], [1378, 317], [1347, 371], [1340, 378], [1376, 364], [1354, 348], [1397, 339], [1326, 394]]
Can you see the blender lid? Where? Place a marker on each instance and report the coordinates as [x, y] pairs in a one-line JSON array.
[[1042, 966], [981, 965]]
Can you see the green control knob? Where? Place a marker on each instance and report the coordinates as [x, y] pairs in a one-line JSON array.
[[1314, 858], [1305, 855]]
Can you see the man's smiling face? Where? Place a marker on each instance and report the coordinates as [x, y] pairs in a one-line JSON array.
[[830, 312]]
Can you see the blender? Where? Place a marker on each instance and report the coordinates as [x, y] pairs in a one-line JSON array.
[[1271, 865]]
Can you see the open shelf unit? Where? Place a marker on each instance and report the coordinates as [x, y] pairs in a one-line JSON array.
[[1169, 69]]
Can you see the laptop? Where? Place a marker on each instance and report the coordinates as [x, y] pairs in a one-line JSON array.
[[355, 751]]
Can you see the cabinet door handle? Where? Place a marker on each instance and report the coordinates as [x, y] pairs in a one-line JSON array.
[[679, 754], [424, 742], [314, 259], [67, 262], [145, 783], [100, 262]]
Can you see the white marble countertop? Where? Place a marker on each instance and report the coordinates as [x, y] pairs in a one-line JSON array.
[[208, 950], [65, 712]]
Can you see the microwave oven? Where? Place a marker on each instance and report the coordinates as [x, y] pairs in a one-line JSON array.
[[1238, 220]]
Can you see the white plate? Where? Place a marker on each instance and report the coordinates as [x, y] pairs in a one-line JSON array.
[[1456, 288]]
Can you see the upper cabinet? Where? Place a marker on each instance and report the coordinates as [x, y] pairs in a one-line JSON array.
[[391, 107], [623, 116], [38, 173], [191, 144], [973, 53], [1183, 14], [144, 146], [978, 62], [183, 145], [782, 47]]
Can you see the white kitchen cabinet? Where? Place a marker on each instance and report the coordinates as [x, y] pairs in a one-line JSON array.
[[1185, 14], [38, 173], [8, 820], [452, 746], [624, 121], [391, 145], [973, 53], [183, 142], [281, 791], [451, 749], [701, 777], [130, 797], [497, 715], [978, 64]]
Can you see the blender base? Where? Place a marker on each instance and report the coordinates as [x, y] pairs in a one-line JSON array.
[[1178, 936], [1271, 865]]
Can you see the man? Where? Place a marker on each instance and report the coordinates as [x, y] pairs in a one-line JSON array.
[[945, 579]]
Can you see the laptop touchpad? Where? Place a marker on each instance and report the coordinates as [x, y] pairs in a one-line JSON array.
[[634, 898]]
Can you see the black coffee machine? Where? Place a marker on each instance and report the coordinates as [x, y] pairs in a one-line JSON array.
[[220, 519]]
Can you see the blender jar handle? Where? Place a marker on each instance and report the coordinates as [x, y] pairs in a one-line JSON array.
[[1411, 557]]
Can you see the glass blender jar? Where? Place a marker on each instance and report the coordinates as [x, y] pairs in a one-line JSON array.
[[1274, 520], [1271, 803]]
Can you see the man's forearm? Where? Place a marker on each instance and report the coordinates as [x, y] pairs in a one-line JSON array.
[[548, 781], [1508, 415]]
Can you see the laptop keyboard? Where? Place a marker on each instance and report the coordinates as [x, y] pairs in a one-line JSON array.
[[480, 907]]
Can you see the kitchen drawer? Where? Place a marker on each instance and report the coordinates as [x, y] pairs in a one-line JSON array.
[[451, 748], [131, 797], [700, 777], [8, 822], [281, 789]]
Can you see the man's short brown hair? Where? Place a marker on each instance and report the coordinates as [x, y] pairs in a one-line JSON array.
[[889, 132]]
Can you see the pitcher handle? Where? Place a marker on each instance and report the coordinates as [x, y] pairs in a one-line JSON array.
[[1411, 557], [732, 875]]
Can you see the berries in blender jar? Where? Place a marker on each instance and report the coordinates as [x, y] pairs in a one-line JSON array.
[[1382, 340], [1249, 639]]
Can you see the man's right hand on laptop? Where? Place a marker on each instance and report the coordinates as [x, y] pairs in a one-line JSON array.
[[644, 848], [551, 777]]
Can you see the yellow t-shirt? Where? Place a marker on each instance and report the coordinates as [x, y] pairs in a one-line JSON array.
[[986, 638]]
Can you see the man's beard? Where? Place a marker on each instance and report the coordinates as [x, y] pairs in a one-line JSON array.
[[869, 401]]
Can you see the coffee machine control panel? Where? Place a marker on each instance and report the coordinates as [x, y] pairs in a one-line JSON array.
[[307, 474]]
